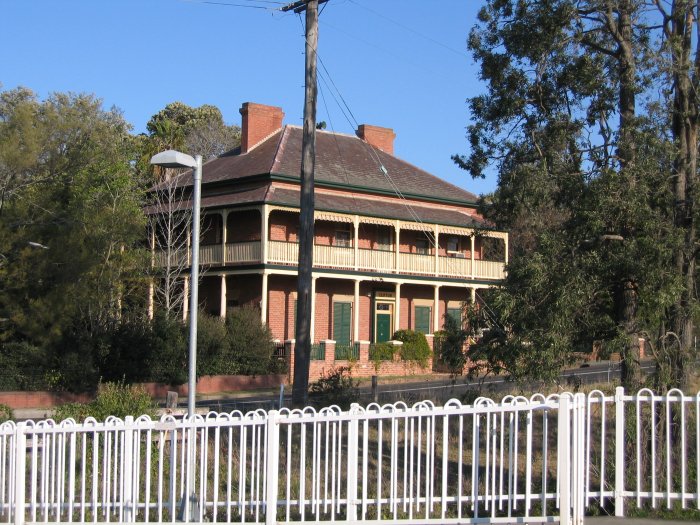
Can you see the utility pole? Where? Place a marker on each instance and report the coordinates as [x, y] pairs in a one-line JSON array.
[[302, 349]]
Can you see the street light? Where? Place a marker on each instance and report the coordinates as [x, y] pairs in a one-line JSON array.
[[176, 159]]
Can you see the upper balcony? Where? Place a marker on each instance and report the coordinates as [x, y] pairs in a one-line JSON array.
[[422, 250]]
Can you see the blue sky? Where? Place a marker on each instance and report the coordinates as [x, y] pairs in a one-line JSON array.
[[396, 63]]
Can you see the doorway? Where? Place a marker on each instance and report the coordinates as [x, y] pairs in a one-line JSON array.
[[383, 321]]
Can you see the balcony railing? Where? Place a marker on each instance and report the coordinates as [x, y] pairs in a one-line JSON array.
[[381, 261], [243, 252], [377, 260], [210, 254], [177, 258], [334, 256]]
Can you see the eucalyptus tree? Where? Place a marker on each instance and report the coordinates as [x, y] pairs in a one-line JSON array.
[[573, 124], [71, 221]]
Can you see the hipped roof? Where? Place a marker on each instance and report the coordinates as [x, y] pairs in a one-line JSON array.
[[342, 161]]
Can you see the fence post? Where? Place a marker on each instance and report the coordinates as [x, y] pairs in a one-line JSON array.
[[20, 467], [564, 460], [579, 469], [127, 495], [353, 436], [271, 476], [619, 451]]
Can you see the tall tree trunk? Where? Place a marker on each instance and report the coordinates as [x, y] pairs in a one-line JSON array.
[[685, 134], [626, 296]]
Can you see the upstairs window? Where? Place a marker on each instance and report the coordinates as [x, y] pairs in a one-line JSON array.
[[342, 238], [452, 245], [383, 239], [423, 245]]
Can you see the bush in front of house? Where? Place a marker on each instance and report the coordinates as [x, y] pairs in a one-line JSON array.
[[23, 366], [249, 341], [336, 387], [415, 347], [5, 413], [239, 344], [113, 399]]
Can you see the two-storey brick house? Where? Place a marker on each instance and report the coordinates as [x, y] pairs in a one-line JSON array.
[[395, 247]]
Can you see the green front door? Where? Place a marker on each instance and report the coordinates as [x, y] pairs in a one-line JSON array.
[[383, 327]]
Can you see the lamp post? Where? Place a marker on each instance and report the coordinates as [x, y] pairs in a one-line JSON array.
[[176, 159]]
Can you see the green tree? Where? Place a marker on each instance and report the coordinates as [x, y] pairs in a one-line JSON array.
[[71, 222], [196, 131], [583, 179]]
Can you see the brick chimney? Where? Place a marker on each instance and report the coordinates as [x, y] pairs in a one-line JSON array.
[[258, 121], [380, 138]]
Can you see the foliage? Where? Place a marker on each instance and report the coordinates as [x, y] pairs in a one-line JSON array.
[[71, 222], [23, 366], [449, 344], [5, 413], [335, 387], [380, 352], [196, 131], [212, 343], [249, 341], [113, 399], [577, 125], [415, 348], [241, 344]]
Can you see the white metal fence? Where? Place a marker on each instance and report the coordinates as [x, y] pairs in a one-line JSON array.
[[541, 459]]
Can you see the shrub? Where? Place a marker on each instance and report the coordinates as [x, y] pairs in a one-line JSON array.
[[5, 413], [337, 387], [249, 341], [380, 352], [113, 399], [167, 352], [211, 346], [23, 366], [415, 347], [449, 346]]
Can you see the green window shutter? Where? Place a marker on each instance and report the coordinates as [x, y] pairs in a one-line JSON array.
[[423, 319], [294, 324], [341, 323], [456, 314]]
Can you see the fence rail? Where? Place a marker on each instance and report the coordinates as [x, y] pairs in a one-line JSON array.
[[542, 459]]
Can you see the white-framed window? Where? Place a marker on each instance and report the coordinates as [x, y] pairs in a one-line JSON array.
[[422, 246], [452, 244], [342, 238], [384, 238]]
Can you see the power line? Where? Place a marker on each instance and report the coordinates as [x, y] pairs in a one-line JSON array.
[[299, 6], [248, 4], [411, 30]]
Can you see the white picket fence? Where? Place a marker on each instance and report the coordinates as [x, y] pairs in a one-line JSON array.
[[542, 459]]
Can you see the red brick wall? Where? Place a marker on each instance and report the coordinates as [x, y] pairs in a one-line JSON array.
[[211, 229], [280, 306], [284, 226], [409, 238], [210, 294], [363, 367], [18, 400], [365, 311], [323, 318], [243, 226], [257, 122], [324, 232], [248, 287], [282, 291], [216, 384], [379, 137]]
